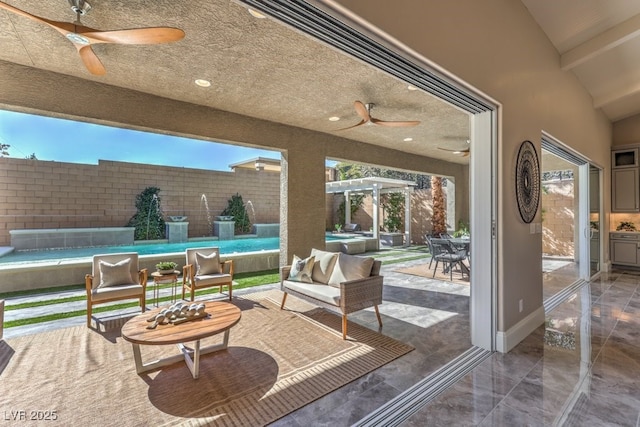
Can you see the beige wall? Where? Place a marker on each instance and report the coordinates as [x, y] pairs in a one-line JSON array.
[[44, 194], [496, 46], [627, 131]]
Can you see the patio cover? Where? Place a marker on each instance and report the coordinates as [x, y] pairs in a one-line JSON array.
[[375, 187]]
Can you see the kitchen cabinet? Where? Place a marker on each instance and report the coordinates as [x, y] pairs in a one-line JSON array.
[[625, 248], [625, 181]]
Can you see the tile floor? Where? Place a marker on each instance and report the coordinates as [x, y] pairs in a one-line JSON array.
[[582, 368]]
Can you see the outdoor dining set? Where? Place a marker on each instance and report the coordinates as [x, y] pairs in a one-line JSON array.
[[453, 253]]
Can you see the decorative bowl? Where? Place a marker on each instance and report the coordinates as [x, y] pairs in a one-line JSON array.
[[178, 218], [225, 218]]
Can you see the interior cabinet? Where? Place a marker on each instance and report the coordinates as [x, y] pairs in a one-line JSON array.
[[624, 249], [625, 181]]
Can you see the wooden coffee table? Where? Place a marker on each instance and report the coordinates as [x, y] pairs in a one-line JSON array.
[[222, 316]]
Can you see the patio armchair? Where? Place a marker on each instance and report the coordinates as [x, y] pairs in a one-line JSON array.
[[115, 277], [203, 269]]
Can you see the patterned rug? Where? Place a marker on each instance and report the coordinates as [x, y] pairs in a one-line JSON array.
[[277, 361], [423, 270]]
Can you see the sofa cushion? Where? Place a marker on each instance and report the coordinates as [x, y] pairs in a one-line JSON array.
[[301, 269], [350, 267], [318, 291], [207, 264], [115, 274], [323, 266]]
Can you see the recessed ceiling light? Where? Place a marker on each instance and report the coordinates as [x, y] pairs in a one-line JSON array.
[[256, 14], [410, 87], [334, 118], [408, 139], [202, 82]]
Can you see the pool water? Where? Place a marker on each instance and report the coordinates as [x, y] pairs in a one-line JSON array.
[[226, 247]]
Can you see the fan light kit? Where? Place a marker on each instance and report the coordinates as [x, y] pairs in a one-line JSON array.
[[83, 37], [334, 118], [202, 82], [364, 111], [408, 139]]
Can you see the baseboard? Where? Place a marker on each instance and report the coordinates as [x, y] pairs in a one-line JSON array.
[[505, 341]]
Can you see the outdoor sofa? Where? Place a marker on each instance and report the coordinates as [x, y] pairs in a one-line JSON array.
[[336, 281]]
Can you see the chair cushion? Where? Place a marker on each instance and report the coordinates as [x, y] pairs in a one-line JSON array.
[[115, 274], [323, 265], [116, 292], [207, 264], [301, 269], [212, 279], [350, 267], [317, 291]]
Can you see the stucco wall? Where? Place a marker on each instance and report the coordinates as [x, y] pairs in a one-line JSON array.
[[43, 194]]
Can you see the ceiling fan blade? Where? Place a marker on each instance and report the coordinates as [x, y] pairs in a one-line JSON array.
[[394, 124], [90, 60], [463, 153], [362, 111], [63, 27], [151, 35], [362, 122]]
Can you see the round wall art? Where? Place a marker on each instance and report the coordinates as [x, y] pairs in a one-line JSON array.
[[527, 181]]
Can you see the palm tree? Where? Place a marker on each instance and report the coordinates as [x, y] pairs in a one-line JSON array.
[[439, 217]]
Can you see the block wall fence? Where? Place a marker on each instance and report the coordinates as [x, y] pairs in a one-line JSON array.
[[38, 194]]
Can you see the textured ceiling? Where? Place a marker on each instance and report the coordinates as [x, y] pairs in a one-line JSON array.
[[599, 41], [257, 67]]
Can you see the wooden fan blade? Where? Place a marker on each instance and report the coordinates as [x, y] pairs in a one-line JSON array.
[[151, 35], [63, 27], [354, 126], [464, 152], [394, 124], [90, 60], [362, 111]]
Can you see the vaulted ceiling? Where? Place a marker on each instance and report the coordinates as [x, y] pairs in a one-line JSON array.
[[599, 41]]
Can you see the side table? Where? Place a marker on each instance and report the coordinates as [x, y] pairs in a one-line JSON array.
[[159, 278]]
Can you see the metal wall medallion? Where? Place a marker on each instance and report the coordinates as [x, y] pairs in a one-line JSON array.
[[527, 181]]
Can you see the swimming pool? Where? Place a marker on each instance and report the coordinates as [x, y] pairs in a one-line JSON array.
[[227, 247]]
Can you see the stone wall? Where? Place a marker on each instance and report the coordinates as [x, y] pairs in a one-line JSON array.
[[44, 194], [558, 218]]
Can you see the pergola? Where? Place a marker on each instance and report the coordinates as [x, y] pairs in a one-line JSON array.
[[375, 187]]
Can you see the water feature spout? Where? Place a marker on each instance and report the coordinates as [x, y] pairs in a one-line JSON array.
[[203, 200], [252, 212]]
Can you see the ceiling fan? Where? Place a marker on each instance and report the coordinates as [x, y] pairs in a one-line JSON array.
[[83, 37], [463, 152], [364, 111]]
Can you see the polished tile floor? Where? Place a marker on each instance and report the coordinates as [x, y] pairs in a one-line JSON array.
[[582, 368]]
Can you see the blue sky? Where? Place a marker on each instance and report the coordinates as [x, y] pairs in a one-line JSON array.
[[77, 142]]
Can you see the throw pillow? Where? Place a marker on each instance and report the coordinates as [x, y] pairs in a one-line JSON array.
[[350, 267], [207, 264], [115, 274], [301, 269], [323, 265]]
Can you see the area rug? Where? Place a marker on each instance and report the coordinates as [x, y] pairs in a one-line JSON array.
[[277, 361], [423, 270]]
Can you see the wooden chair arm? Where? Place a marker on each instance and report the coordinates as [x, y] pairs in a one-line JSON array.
[[143, 276], [228, 263], [88, 283], [187, 272]]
